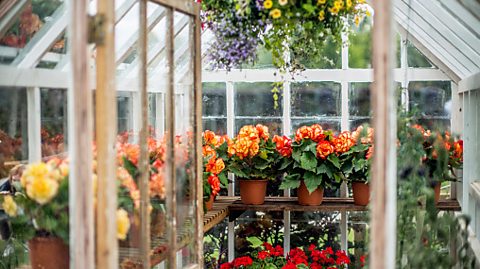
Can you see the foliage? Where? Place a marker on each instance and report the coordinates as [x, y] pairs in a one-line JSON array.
[[300, 27], [253, 155], [423, 233], [315, 158], [356, 162]]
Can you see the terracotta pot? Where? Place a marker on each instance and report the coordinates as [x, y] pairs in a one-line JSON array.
[[133, 236], [158, 223], [253, 191], [306, 198], [209, 203], [436, 191], [361, 193], [48, 253]]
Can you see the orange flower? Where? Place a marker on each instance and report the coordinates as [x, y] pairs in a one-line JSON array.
[[458, 149], [250, 132], [209, 137], [317, 133], [130, 151], [244, 147], [358, 134], [343, 142], [214, 183], [448, 146], [324, 148], [157, 185], [304, 132], [283, 145], [215, 166], [262, 131], [208, 151], [369, 153]]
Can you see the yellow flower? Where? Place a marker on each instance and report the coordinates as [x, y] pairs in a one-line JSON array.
[[321, 2], [334, 10], [42, 189], [123, 224], [283, 2], [276, 13], [268, 4], [34, 171], [357, 20], [368, 13], [349, 3], [321, 15], [338, 4], [9, 206]]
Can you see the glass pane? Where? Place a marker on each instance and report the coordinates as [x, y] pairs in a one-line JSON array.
[[34, 16], [263, 61], [359, 99], [185, 146], [53, 121], [214, 99], [358, 229], [217, 125], [257, 99], [360, 49], [124, 112], [415, 58], [319, 228], [332, 123], [215, 245], [316, 99], [13, 128]]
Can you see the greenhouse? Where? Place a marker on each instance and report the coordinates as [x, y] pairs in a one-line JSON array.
[[239, 134]]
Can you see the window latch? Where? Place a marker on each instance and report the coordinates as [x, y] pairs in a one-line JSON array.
[[96, 29]]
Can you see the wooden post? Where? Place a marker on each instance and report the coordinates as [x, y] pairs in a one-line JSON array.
[[143, 160], [170, 133], [197, 80], [383, 224], [80, 141], [106, 132]]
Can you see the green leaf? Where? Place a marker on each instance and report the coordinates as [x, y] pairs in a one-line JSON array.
[[223, 179], [308, 161], [254, 241], [237, 171], [312, 181], [296, 155], [322, 169], [270, 266], [309, 8], [261, 164], [290, 182], [334, 160], [285, 163]]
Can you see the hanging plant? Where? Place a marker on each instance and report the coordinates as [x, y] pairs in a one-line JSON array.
[[298, 28]]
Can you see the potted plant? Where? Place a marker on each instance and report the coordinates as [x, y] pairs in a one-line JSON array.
[[356, 164], [315, 164], [443, 154], [254, 160], [214, 153]]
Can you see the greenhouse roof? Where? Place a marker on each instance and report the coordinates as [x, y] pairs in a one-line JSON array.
[[445, 31]]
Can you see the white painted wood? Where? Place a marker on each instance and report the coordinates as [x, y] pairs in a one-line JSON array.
[[469, 83], [80, 130], [462, 14], [231, 241], [344, 124], [432, 40], [42, 40], [383, 200], [11, 76], [34, 125], [230, 97]]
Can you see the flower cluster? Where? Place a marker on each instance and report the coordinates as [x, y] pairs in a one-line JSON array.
[[247, 143], [272, 257], [283, 145], [214, 157]]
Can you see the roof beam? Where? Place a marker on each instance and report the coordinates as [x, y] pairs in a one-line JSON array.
[[10, 10], [43, 40], [462, 15], [152, 20]]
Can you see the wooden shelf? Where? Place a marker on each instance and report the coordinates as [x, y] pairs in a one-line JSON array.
[[218, 213]]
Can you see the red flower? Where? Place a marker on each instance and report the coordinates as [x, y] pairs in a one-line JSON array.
[[342, 258], [267, 246], [277, 252], [362, 260], [226, 266], [289, 265], [283, 145], [242, 261], [262, 255]]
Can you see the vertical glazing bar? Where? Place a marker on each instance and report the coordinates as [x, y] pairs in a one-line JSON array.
[[230, 96], [106, 134], [456, 123], [159, 115], [404, 68], [170, 133], [287, 130], [143, 159], [80, 141], [197, 78], [34, 125], [383, 220]]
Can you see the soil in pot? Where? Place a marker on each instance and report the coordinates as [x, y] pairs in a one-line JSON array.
[[361, 193], [48, 253], [253, 191], [306, 198]]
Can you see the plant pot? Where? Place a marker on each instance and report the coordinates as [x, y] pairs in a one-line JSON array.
[[48, 253], [158, 223], [361, 193], [253, 191], [133, 236], [306, 198], [209, 203], [436, 191]]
